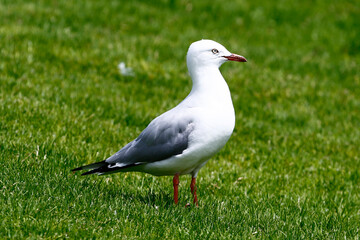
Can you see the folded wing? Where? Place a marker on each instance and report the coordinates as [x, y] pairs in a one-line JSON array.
[[163, 138]]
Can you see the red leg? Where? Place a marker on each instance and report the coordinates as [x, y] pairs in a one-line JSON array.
[[193, 190], [176, 191]]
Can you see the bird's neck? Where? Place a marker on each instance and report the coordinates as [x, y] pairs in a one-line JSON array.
[[209, 85], [208, 79]]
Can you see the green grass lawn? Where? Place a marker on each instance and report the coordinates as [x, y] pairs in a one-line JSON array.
[[291, 170]]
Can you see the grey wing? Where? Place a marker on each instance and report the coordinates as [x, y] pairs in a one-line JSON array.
[[162, 139], [166, 136]]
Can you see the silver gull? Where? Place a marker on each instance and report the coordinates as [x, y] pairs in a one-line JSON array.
[[181, 140]]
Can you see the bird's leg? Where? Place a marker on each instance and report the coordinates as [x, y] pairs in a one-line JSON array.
[[193, 190], [176, 190]]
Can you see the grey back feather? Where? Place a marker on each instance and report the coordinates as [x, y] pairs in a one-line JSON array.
[[160, 140]]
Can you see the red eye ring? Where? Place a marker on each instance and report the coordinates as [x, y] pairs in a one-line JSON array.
[[215, 51]]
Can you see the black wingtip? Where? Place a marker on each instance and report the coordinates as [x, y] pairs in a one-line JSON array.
[[96, 170], [76, 169], [90, 166], [88, 173], [102, 168]]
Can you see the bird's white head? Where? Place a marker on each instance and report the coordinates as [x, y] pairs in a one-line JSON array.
[[208, 53]]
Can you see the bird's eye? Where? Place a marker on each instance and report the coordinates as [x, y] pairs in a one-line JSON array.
[[215, 51]]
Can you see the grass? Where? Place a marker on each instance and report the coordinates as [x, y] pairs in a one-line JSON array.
[[290, 170]]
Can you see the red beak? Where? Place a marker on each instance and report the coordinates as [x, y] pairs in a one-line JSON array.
[[236, 58]]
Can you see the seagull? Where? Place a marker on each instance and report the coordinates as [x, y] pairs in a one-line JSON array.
[[181, 140]]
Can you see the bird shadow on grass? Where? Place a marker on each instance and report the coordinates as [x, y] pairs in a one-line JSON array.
[[133, 195], [149, 198]]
